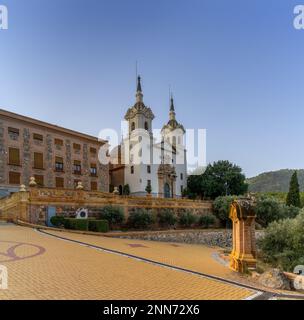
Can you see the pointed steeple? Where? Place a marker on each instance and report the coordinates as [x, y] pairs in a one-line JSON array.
[[139, 84], [172, 104], [172, 109], [139, 95]]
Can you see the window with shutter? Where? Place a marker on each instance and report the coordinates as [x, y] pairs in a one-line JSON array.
[[58, 142], [14, 178], [77, 167], [93, 170], [59, 164], [38, 137], [38, 160], [14, 156], [93, 185], [93, 151], [39, 180], [59, 182], [77, 147]]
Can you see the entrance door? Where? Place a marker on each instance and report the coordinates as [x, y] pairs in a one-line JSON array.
[[167, 191], [51, 212]]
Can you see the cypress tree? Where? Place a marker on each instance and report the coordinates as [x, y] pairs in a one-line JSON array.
[[293, 197]]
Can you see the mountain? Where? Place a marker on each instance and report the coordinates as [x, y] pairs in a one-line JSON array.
[[274, 181]]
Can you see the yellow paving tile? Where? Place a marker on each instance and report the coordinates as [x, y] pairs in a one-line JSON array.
[[63, 270]]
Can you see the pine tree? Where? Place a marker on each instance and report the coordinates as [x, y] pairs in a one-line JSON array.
[[293, 197]]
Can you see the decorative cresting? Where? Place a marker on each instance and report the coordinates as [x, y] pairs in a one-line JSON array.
[[243, 255]]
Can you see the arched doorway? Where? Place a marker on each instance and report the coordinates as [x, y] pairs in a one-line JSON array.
[[120, 189], [167, 193]]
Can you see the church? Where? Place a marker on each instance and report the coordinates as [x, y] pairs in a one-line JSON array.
[[147, 162]]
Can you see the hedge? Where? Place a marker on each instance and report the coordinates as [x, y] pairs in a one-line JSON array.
[[98, 225], [57, 221], [76, 224]]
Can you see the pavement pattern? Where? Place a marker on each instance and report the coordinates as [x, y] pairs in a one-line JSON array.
[[41, 266]]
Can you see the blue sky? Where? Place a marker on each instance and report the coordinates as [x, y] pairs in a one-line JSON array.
[[235, 67]]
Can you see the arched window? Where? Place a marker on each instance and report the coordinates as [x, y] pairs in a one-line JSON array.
[[133, 126], [146, 126]]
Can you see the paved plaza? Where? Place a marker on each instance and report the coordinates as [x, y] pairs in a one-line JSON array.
[[42, 266]]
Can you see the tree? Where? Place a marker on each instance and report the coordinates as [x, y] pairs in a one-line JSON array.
[[148, 188], [293, 196], [126, 190], [221, 178], [221, 207]]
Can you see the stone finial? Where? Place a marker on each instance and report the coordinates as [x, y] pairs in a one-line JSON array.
[[33, 182], [79, 186], [22, 188], [116, 191]]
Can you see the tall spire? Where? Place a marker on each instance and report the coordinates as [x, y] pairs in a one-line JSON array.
[[172, 109], [139, 95], [172, 104]]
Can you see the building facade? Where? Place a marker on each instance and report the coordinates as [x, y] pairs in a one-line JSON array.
[[55, 156], [141, 160]]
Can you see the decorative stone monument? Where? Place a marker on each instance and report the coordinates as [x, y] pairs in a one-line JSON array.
[[22, 188], [79, 186], [33, 182], [243, 255], [116, 191]]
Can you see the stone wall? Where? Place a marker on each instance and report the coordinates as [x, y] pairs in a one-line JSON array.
[[68, 201], [213, 238]]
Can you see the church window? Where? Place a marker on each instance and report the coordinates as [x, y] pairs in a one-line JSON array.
[[181, 176], [149, 169], [133, 126], [146, 126], [132, 170]]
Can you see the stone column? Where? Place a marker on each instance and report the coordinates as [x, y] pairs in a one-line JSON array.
[[243, 255]]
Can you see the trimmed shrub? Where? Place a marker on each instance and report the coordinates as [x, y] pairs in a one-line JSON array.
[[114, 215], [57, 221], [141, 219], [187, 219], [99, 225], [126, 190], [207, 220], [76, 224], [166, 217]]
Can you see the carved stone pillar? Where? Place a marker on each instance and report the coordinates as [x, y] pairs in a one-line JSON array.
[[243, 255]]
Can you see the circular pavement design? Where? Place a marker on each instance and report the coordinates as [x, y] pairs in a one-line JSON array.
[[11, 255]]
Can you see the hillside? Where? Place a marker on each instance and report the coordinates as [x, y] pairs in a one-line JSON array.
[[274, 181]]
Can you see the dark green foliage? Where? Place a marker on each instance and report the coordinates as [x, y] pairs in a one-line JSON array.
[[126, 190], [57, 221], [283, 243], [293, 196], [187, 219], [268, 210], [141, 219], [114, 215], [166, 217], [221, 207], [76, 224], [99, 225], [207, 220], [220, 178], [148, 188]]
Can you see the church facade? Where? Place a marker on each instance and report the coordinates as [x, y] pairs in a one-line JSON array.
[[147, 163]]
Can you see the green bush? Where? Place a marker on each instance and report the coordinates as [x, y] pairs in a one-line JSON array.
[[57, 221], [283, 243], [114, 215], [207, 220], [76, 224], [221, 206], [126, 190], [166, 217], [187, 219], [141, 219], [99, 225]]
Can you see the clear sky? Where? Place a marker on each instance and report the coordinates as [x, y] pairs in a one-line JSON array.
[[235, 67]]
